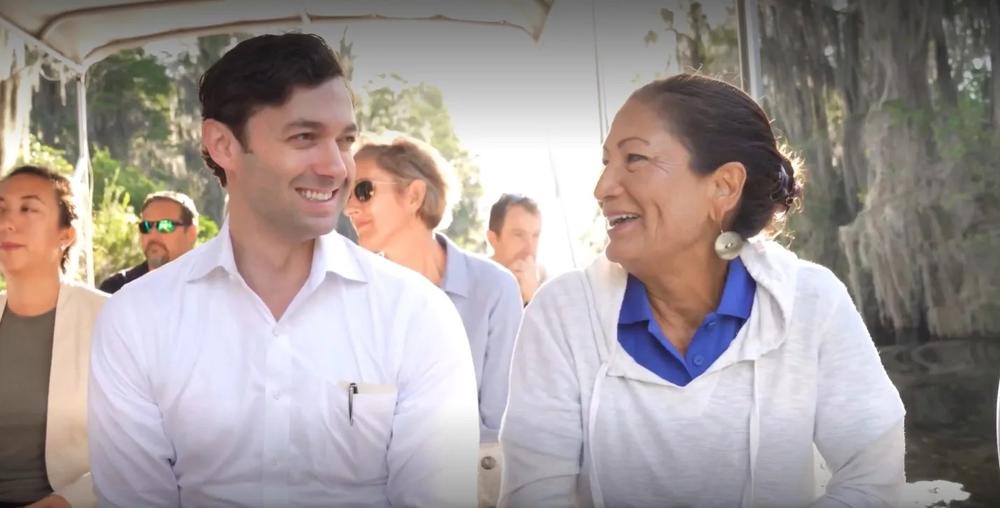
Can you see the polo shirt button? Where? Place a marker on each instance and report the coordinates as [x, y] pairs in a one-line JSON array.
[[699, 360]]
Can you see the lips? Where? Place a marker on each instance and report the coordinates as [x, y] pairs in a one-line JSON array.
[[359, 225], [7, 246], [316, 195], [617, 218]]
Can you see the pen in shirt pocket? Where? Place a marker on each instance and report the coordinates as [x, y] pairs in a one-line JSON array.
[[352, 390]]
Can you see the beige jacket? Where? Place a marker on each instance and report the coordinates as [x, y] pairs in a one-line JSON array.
[[66, 454]]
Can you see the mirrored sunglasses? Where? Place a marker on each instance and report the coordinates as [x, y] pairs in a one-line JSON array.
[[163, 226]]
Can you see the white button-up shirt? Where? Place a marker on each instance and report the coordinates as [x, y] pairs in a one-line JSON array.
[[362, 394]]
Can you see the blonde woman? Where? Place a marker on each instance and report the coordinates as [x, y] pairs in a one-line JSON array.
[[398, 200]]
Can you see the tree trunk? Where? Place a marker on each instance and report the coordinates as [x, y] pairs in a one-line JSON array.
[[994, 41]]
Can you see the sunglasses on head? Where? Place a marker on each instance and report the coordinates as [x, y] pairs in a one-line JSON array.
[[163, 226], [365, 189]]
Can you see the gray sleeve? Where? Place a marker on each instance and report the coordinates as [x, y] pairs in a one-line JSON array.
[[872, 477], [504, 320], [542, 433], [859, 414]]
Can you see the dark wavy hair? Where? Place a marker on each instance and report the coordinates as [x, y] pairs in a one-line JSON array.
[[719, 123], [64, 197], [261, 71]]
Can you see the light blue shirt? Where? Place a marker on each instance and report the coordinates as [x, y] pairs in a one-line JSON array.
[[489, 301]]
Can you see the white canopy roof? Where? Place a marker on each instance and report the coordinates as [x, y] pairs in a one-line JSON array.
[[82, 32]]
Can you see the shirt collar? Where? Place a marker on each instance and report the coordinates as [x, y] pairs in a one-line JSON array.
[[331, 254], [737, 296], [456, 279], [738, 291], [635, 305]]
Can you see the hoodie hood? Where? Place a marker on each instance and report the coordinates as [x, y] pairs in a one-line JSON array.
[[772, 267]]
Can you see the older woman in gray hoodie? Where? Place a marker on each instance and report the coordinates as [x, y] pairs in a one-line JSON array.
[[698, 363]]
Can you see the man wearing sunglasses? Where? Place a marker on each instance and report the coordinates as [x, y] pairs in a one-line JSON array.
[[169, 228]]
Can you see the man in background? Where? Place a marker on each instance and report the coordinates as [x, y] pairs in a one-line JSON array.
[[169, 228], [515, 225]]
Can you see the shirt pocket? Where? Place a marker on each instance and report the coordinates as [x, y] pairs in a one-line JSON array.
[[368, 411]]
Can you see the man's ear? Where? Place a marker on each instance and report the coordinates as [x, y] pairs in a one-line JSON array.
[[726, 189], [493, 239], [221, 144], [192, 233]]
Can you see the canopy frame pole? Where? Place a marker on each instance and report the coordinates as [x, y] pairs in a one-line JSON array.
[[84, 180], [748, 20]]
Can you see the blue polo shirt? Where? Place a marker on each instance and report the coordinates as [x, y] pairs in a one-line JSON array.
[[640, 334]]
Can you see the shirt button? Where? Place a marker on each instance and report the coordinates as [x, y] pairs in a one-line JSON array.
[[276, 396], [711, 323], [488, 463], [699, 360]]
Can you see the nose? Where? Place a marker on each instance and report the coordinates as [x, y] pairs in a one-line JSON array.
[[153, 234], [607, 184], [5, 223], [332, 162]]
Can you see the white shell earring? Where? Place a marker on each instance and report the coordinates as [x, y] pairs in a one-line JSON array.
[[728, 245]]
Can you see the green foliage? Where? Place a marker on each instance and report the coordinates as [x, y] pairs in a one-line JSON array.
[[697, 44], [45, 156], [392, 103], [132, 88], [131, 180], [115, 243], [207, 229]]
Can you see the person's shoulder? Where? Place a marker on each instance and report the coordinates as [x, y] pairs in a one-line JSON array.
[[561, 290], [782, 267], [85, 294], [160, 284], [115, 281], [488, 273], [384, 275]]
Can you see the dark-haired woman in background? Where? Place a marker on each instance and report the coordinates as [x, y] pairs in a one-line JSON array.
[[45, 325], [698, 363]]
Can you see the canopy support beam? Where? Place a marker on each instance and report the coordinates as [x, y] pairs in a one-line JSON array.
[[749, 37], [49, 50], [84, 184]]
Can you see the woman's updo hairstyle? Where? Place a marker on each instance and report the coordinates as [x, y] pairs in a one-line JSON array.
[[719, 123]]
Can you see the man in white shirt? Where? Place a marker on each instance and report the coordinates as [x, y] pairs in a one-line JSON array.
[[279, 365]]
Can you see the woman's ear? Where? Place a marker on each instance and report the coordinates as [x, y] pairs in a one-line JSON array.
[[67, 237], [726, 189], [416, 190]]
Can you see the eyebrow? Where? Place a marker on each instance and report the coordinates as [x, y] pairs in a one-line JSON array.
[[314, 125], [302, 124], [632, 138], [626, 140], [27, 196]]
